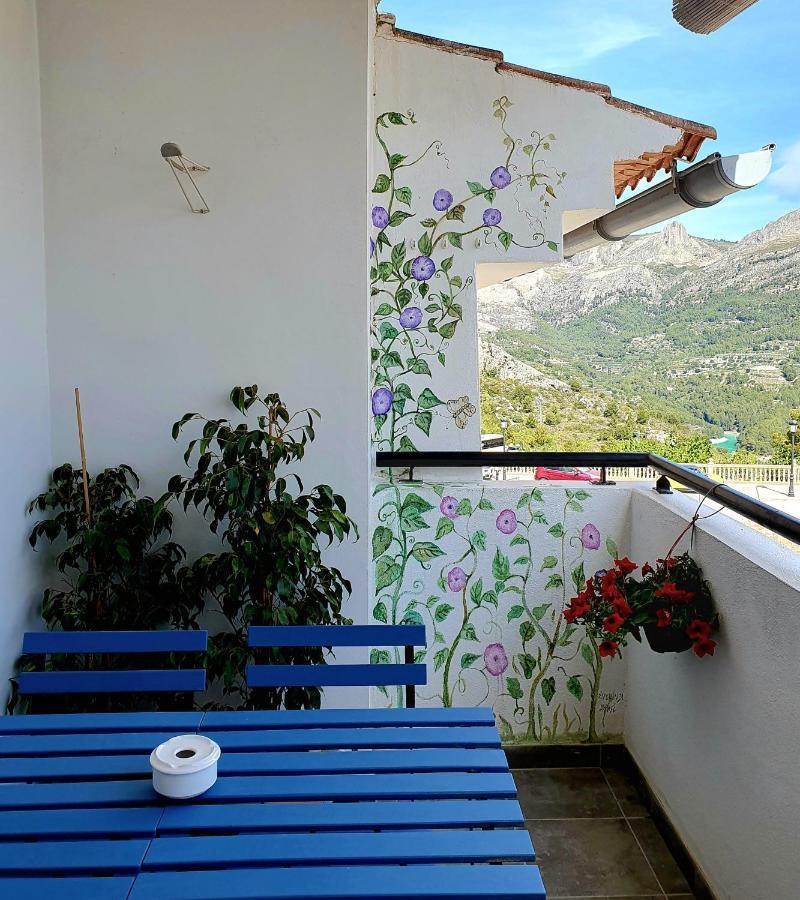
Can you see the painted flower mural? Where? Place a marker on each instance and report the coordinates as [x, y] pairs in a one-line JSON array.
[[489, 572], [418, 296]]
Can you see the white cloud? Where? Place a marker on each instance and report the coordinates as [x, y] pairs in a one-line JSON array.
[[785, 179]]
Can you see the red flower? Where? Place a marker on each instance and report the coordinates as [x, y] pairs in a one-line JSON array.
[[668, 563], [698, 630], [704, 648], [620, 605], [625, 565], [613, 623], [647, 569], [570, 614], [670, 592], [578, 606], [663, 617], [609, 648]]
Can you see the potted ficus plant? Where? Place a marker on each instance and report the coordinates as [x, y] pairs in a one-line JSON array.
[[271, 570], [671, 602]]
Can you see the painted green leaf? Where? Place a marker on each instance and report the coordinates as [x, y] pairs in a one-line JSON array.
[[398, 254], [485, 503], [539, 611], [424, 551], [579, 577], [385, 309], [456, 281], [387, 571], [412, 617], [398, 217], [427, 399], [522, 560], [381, 539], [552, 245], [574, 506], [468, 659], [476, 187], [442, 612], [490, 598], [548, 689], [396, 118], [391, 360], [423, 421], [515, 612], [469, 634], [513, 688], [464, 508], [588, 654], [379, 657], [420, 366], [537, 495], [505, 729], [395, 159], [387, 331], [439, 659], [406, 444], [575, 687], [447, 264], [611, 547], [420, 504], [448, 329], [523, 500], [479, 539], [526, 632], [517, 540], [379, 612], [582, 495], [549, 562], [456, 213], [424, 244], [382, 183], [443, 526], [403, 297], [402, 391], [455, 239], [505, 238], [476, 591], [403, 195], [556, 530], [554, 581], [500, 565], [428, 223], [438, 489], [528, 664]]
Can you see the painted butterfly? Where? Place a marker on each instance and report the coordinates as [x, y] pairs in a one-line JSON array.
[[461, 410]]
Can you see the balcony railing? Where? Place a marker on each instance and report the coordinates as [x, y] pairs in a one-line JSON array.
[[766, 516]]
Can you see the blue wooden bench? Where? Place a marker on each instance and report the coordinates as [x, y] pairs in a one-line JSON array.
[[46, 644], [407, 674]]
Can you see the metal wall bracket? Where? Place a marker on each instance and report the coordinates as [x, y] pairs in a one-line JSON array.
[[182, 167]]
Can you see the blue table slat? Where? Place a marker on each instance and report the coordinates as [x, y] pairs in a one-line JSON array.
[[78, 794], [43, 857], [344, 718], [352, 738], [112, 682], [336, 636], [385, 815], [88, 723], [96, 766], [356, 675], [165, 641], [81, 744], [65, 824], [115, 888], [443, 882], [341, 848]]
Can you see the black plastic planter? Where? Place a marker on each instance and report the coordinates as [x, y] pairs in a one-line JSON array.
[[666, 640]]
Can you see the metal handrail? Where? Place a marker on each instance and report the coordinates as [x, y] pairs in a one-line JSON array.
[[767, 516]]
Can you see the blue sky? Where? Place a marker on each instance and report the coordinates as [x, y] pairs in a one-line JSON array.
[[743, 79]]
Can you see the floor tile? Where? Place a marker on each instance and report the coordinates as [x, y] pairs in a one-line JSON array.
[[591, 858], [625, 792], [564, 794], [659, 857]]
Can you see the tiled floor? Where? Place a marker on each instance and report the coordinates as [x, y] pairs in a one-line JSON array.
[[594, 838]]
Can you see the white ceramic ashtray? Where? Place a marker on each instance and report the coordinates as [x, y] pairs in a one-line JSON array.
[[185, 766]]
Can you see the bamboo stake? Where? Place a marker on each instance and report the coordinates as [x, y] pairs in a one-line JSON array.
[[83, 458]]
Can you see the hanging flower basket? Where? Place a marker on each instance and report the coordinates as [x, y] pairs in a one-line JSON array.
[[666, 640]]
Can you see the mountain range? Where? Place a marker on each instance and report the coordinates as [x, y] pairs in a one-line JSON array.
[[706, 330]]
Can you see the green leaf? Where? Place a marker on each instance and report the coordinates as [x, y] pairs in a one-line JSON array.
[[579, 577], [476, 187], [479, 539], [505, 238], [513, 688], [501, 568], [454, 239], [427, 399], [456, 213], [385, 309], [423, 421], [447, 263], [420, 366], [379, 657], [396, 118], [588, 654], [517, 540], [575, 687], [428, 223], [448, 329], [468, 659], [442, 612], [552, 245], [476, 591], [549, 562], [398, 217], [523, 500], [443, 526], [420, 504], [424, 551], [382, 183], [464, 508], [403, 195], [387, 331], [424, 245], [387, 571], [398, 255], [439, 659], [611, 547], [406, 444], [516, 612], [548, 689], [526, 632], [379, 612], [395, 159], [485, 503], [556, 530], [468, 633], [381, 539], [554, 581], [540, 611]]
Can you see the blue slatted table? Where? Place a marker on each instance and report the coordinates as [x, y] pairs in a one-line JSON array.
[[309, 805]]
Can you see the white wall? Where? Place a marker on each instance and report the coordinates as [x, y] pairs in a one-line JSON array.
[[717, 738], [154, 311], [25, 445]]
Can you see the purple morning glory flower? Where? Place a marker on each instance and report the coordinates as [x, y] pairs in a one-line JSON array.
[[380, 218], [456, 580], [494, 656], [507, 521], [590, 536], [371, 248], [442, 200], [500, 177], [381, 401], [449, 507], [422, 268], [492, 216], [411, 317]]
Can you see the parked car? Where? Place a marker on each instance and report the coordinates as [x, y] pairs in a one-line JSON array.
[[567, 473]]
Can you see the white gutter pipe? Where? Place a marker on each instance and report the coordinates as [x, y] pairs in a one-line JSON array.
[[701, 185]]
